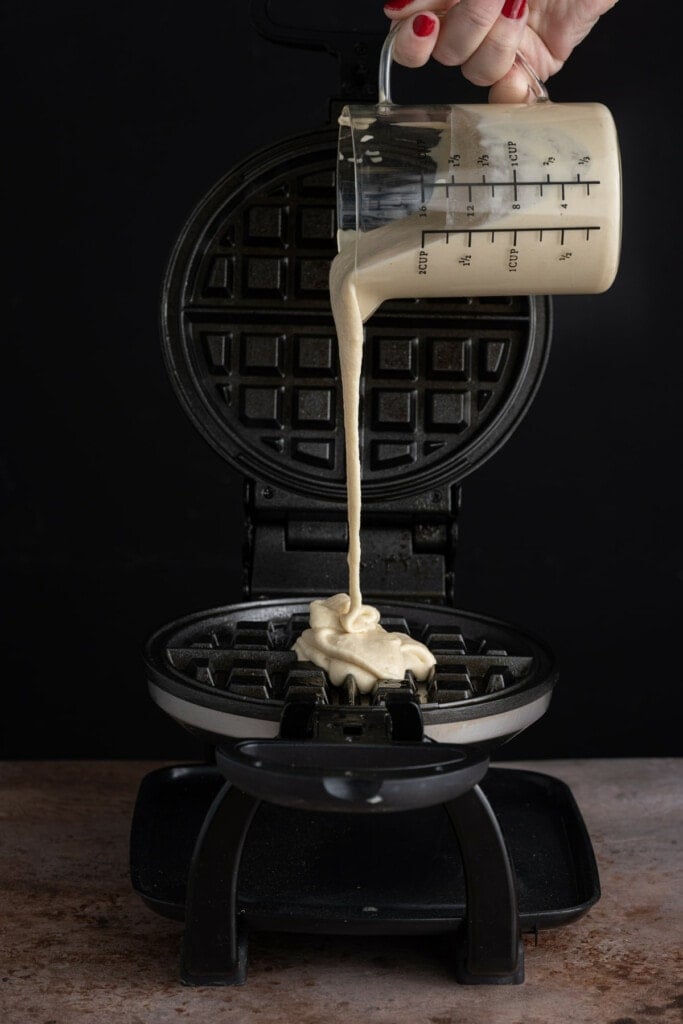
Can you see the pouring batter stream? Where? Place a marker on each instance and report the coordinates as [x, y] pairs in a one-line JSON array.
[[345, 636]]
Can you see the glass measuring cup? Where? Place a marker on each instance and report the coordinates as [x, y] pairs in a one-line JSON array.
[[478, 199]]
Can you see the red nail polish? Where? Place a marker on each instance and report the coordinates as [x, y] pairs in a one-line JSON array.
[[397, 5], [423, 25], [514, 9]]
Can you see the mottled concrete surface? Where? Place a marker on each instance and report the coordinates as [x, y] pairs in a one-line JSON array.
[[77, 945]]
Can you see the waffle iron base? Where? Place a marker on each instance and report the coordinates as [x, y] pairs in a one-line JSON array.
[[342, 873]]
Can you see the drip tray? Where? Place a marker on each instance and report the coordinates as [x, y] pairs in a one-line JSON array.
[[341, 873]]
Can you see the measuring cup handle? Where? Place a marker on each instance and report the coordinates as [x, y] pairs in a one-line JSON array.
[[536, 86]]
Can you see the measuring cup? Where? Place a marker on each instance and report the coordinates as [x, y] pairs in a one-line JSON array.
[[478, 199]]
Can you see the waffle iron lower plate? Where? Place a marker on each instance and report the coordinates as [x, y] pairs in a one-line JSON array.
[[302, 871], [228, 672]]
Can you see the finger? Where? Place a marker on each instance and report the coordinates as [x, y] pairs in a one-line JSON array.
[[464, 29], [511, 88], [515, 85], [493, 59], [397, 10], [415, 39]]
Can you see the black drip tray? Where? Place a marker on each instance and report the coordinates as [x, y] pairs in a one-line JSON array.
[[386, 873]]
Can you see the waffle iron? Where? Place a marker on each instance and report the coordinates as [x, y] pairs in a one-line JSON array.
[[302, 774]]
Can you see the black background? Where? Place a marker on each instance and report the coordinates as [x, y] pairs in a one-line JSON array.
[[118, 517]]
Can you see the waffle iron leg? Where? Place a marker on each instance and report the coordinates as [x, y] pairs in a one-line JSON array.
[[214, 947], [489, 946]]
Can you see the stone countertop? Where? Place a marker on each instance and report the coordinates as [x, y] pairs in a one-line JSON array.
[[76, 944]]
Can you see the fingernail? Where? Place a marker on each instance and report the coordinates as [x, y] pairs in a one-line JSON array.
[[397, 5], [423, 25], [514, 9]]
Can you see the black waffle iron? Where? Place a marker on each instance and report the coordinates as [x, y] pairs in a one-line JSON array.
[[321, 809]]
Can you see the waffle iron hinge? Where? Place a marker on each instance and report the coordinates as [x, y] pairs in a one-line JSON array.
[[297, 546]]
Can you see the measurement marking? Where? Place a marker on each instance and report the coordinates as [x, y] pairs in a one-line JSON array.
[[469, 194], [563, 187], [514, 178], [586, 183], [520, 184], [422, 189], [469, 240], [514, 238], [495, 184], [587, 228]]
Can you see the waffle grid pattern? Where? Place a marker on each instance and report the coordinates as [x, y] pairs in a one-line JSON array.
[[254, 660], [259, 336]]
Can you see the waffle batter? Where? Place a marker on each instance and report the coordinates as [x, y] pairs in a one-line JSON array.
[[345, 636]]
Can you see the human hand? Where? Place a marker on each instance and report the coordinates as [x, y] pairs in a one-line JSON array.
[[482, 37]]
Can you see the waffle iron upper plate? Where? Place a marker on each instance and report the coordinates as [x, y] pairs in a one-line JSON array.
[[249, 343]]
